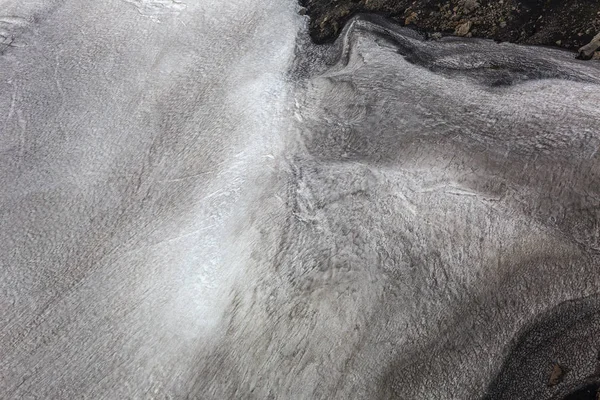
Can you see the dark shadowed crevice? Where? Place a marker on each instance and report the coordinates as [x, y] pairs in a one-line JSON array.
[[589, 392], [555, 358]]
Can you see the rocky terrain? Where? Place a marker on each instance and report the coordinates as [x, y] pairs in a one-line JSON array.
[[566, 24]]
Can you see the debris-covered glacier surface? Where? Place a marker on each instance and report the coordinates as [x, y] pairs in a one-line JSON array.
[[197, 202]]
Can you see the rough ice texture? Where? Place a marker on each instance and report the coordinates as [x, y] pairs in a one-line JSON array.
[[158, 7], [209, 206]]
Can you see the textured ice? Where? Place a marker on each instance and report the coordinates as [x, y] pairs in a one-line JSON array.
[[158, 7], [206, 205]]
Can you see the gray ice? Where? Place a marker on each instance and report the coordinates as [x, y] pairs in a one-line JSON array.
[[197, 202]]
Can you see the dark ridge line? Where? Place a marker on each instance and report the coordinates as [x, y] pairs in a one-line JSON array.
[[413, 47]]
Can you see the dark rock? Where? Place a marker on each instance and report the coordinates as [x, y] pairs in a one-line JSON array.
[[557, 375], [563, 23]]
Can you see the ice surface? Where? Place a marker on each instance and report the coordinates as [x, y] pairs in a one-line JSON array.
[[199, 203], [158, 7]]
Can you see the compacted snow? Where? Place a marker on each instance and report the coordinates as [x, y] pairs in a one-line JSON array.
[[199, 203]]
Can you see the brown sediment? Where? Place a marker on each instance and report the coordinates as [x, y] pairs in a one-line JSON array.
[[568, 24]]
